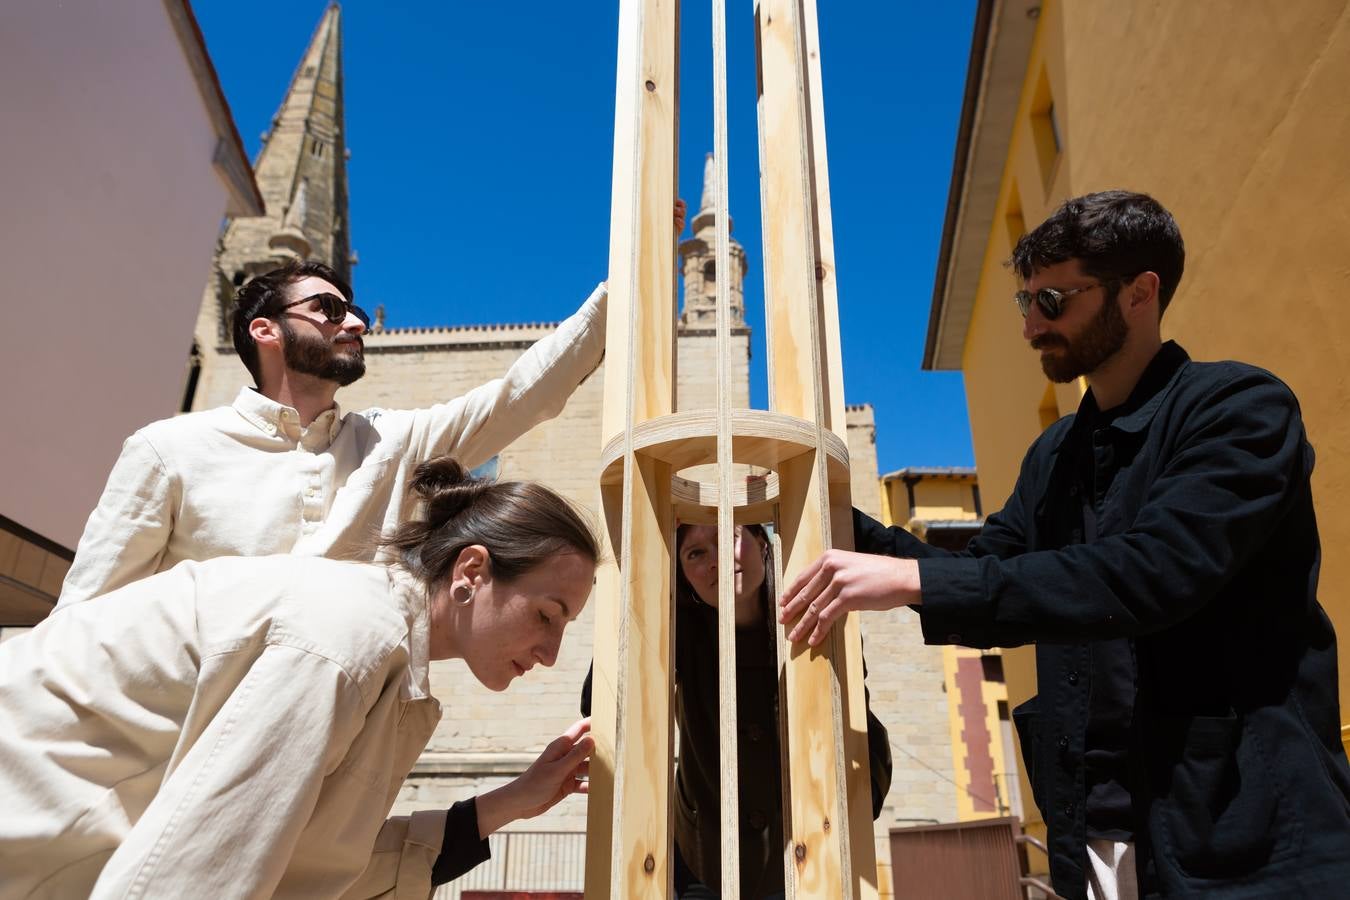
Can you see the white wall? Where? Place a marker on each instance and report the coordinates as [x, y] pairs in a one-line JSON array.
[[109, 210]]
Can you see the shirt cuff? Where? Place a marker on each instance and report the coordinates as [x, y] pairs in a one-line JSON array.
[[954, 608], [462, 848]]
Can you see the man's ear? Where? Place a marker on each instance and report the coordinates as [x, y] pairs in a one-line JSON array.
[[1142, 293], [265, 332]]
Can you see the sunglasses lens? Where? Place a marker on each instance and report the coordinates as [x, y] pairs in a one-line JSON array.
[[1023, 302], [332, 308], [1050, 302], [362, 315]]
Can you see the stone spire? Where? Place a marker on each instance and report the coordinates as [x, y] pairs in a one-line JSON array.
[[302, 173], [698, 262]]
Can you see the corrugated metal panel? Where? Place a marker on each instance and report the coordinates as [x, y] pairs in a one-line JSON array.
[[541, 864], [962, 861]]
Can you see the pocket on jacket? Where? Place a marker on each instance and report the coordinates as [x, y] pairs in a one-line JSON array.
[[687, 833], [1218, 800], [1026, 719]]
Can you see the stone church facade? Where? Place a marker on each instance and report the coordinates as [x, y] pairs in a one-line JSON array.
[[485, 737]]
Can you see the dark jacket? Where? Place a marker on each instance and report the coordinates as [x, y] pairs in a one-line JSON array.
[[1206, 559], [697, 824]]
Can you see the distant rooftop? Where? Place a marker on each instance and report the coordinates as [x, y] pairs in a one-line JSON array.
[[918, 472]]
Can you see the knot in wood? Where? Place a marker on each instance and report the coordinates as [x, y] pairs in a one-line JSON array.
[[800, 852], [820, 272], [827, 826], [651, 85], [649, 864]]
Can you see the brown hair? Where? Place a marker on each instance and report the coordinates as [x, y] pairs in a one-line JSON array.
[[1114, 235], [521, 523]]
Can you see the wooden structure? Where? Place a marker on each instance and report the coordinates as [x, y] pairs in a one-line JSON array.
[[829, 850]]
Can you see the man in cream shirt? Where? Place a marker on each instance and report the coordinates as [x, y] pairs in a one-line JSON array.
[[284, 469]]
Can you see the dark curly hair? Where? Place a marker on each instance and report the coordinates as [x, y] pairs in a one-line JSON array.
[[1114, 235]]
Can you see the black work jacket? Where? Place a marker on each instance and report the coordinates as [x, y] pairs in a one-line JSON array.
[[1206, 559]]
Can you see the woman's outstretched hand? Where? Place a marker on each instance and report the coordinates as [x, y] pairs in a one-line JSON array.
[[559, 771]]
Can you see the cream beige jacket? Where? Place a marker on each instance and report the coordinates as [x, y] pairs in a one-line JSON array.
[[230, 728], [247, 480]]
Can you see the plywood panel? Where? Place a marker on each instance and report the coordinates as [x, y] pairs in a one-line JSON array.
[[628, 846], [829, 780]]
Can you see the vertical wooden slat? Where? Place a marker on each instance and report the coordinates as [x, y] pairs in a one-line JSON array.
[[862, 848], [628, 819], [728, 748], [827, 750], [813, 734], [781, 646]]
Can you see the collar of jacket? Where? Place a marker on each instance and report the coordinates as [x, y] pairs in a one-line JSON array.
[[411, 596], [1160, 376], [271, 418], [1138, 410]]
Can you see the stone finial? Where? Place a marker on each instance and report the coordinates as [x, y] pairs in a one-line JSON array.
[[295, 214], [709, 201], [290, 239], [707, 206]]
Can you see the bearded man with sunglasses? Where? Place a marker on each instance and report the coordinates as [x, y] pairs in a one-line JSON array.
[[1161, 551], [283, 469]]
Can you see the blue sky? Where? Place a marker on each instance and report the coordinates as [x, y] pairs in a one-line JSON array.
[[481, 137]]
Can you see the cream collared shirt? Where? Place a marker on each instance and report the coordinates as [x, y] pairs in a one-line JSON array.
[[229, 728], [247, 480]]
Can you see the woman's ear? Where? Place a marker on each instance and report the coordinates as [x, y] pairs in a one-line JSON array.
[[473, 566]]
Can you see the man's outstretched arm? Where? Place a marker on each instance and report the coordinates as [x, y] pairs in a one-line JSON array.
[[1234, 474]]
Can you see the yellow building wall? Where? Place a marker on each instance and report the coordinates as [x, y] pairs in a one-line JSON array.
[[936, 499], [991, 693], [1236, 117]]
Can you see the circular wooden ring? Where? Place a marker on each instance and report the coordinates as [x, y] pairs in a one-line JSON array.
[[758, 438]]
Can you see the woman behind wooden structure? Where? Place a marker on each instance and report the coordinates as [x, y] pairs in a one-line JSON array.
[[828, 849]]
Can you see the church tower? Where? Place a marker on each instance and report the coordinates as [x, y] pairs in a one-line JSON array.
[[696, 348], [301, 171], [698, 264]]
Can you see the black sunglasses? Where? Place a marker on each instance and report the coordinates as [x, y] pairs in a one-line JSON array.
[[333, 307], [1050, 301]]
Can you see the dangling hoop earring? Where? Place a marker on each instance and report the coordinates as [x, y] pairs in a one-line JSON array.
[[465, 599]]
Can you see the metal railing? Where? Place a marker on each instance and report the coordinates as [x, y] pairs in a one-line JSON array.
[[1035, 882], [526, 861]]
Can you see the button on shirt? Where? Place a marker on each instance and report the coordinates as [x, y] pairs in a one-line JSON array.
[[249, 480]]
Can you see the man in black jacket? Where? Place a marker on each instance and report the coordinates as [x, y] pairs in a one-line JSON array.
[[1160, 549]]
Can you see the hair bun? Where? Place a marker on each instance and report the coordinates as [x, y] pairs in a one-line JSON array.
[[447, 488]]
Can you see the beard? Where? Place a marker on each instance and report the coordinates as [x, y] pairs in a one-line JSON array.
[[312, 355], [1101, 339]]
